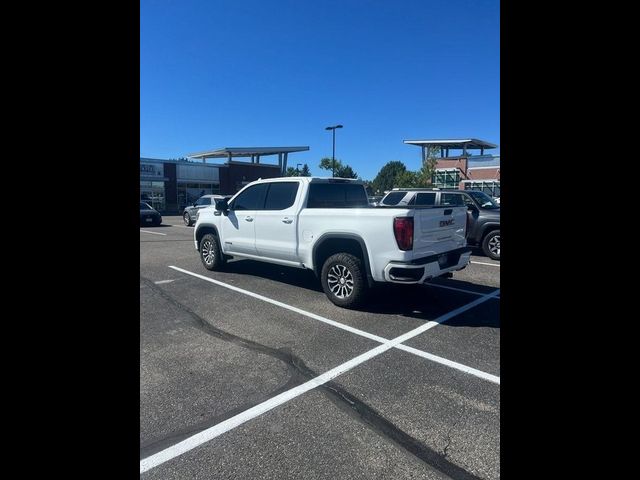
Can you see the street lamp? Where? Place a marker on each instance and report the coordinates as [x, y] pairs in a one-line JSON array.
[[333, 157], [298, 168]]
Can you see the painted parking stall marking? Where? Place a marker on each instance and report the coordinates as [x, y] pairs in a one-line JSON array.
[[371, 336], [217, 430], [153, 233]]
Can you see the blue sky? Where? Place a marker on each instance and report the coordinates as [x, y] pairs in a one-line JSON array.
[[227, 73]]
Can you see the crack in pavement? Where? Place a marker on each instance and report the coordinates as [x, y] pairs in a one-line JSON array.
[[344, 400]]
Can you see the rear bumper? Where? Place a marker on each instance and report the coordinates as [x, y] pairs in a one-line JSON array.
[[423, 269]]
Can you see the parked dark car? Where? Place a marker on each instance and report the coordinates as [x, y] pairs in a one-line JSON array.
[[483, 227], [190, 212], [149, 216]]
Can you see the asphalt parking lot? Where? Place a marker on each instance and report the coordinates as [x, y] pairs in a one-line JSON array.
[[253, 373]]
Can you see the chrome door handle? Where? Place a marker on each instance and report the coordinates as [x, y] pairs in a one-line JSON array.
[[249, 219], [287, 220]]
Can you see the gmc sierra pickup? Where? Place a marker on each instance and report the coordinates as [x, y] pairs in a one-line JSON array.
[[327, 225]]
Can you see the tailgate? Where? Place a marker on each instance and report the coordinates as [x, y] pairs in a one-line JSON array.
[[438, 230]]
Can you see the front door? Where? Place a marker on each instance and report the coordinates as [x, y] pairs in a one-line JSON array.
[[238, 226]]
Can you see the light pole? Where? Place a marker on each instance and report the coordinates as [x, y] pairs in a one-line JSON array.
[[298, 168], [333, 157]]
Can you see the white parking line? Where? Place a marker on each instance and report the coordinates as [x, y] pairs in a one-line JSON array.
[[212, 432], [160, 282], [357, 331], [181, 226], [457, 289], [484, 263], [154, 233]]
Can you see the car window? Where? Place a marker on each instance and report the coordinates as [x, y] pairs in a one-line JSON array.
[[204, 201], [425, 199], [451, 200], [337, 195], [251, 199], [483, 199], [145, 206], [281, 195], [393, 198]]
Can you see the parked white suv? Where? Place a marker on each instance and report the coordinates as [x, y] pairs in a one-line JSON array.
[[328, 226]]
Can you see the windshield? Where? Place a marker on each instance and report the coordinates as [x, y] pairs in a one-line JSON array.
[[483, 199], [144, 206]]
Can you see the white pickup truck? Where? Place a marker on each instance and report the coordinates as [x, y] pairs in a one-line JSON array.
[[327, 225]]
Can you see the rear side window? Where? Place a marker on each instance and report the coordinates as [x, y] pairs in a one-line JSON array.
[[251, 199], [281, 195], [425, 199], [337, 195], [393, 198], [451, 200]]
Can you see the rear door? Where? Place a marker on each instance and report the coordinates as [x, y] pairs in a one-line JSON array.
[[440, 227], [276, 224], [238, 226]]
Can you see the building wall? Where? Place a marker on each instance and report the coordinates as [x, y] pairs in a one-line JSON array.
[[492, 173], [170, 187], [233, 176]]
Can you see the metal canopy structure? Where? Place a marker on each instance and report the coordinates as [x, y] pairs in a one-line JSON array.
[[254, 152], [463, 144]]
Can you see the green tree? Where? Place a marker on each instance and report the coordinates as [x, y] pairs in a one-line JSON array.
[[305, 172], [341, 170], [291, 172], [425, 174], [407, 179], [386, 178]]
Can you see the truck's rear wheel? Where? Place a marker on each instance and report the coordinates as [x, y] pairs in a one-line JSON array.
[[210, 253], [344, 280]]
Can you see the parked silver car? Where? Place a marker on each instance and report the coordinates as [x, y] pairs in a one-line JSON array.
[[190, 212]]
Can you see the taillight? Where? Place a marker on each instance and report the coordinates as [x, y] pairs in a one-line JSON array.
[[403, 230]]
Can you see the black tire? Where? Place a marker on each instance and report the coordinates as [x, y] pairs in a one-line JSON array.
[[345, 274], [491, 245], [187, 219], [210, 253]]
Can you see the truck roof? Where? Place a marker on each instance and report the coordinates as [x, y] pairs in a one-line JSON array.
[[311, 179]]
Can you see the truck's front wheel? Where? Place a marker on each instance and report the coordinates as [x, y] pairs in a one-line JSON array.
[[343, 280], [210, 253]]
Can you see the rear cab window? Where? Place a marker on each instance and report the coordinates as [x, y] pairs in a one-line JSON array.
[[337, 195]]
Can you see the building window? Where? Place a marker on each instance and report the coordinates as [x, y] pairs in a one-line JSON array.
[[490, 187], [188, 193], [153, 194], [446, 178]]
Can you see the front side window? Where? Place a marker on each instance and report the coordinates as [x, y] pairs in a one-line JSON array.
[[281, 195], [251, 199], [451, 200]]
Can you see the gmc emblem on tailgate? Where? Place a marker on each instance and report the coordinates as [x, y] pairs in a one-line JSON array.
[[445, 223]]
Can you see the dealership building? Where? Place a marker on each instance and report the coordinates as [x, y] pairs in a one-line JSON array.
[[170, 185], [458, 168]]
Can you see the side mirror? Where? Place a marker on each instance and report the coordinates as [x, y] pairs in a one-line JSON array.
[[223, 205]]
